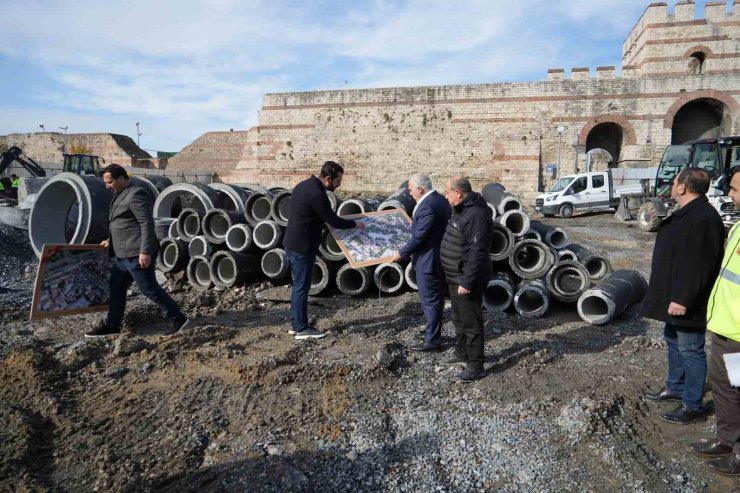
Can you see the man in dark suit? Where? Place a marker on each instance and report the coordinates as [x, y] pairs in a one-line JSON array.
[[429, 223], [686, 259], [133, 245], [308, 211]]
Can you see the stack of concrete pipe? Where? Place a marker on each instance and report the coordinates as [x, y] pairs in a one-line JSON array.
[[534, 265]]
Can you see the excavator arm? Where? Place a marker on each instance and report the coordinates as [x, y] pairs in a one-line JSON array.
[[14, 154]]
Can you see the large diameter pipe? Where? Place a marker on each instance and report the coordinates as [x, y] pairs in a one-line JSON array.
[[173, 231], [70, 209], [232, 197], [322, 275], [329, 248], [268, 234], [409, 275], [503, 201], [189, 224], [333, 200], [173, 255], [502, 241], [567, 280], [172, 200], [229, 268], [532, 299], [200, 246], [531, 235], [401, 199], [609, 299], [199, 273], [492, 208], [598, 266], [240, 239], [216, 224], [257, 207], [353, 282], [531, 259], [162, 227], [155, 184], [279, 207], [515, 221], [388, 277], [499, 293], [551, 235], [275, 264], [567, 254], [357, 206]]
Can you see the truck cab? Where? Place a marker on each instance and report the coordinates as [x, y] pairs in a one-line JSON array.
[[581, 192]]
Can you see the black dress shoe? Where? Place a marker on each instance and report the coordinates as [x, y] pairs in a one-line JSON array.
[[470, 374], [682, 415], [726, 466], [426, 348], [664, 395], [709, 449], [103, 330]]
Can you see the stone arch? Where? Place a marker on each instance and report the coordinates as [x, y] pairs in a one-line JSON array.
[[699, 49], [607, 136], [700, 119], [628, 131], [732, 105]]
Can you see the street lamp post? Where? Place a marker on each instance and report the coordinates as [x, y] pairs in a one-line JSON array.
[[561, 129], [64, 129], [138, 134], [42, 128]]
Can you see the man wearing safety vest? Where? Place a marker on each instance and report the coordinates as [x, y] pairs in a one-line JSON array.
[[15, 182], [723, 320]]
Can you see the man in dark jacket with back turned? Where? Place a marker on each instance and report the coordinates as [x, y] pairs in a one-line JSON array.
[[309, 210], [465, 259], [686, 259]]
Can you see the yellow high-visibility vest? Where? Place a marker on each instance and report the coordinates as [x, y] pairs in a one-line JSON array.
[[723, 309], [16, 183]]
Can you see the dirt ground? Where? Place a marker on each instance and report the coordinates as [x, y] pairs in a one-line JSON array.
[[235, 404]]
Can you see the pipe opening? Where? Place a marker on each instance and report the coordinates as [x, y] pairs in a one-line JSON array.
[[317, 274], [594, 306], [218, 225], [226, 270], [264, 233], [390, 278], [515, 223], [511, 205], [46, 226], [529, 258], [567, 255], [191, 225], [332, 246], [261, 209], [569, 281], [202, 273], [500, 243], [348, 208], [351, 280], [283, 207], [558, 239], [170, 255], [497, 296], [197, 247], [173, 232], [272, 264], [530, 301], [596, 268]]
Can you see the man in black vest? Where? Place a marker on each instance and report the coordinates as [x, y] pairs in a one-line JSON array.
[[465, 259], [686, 259], [309, 210]]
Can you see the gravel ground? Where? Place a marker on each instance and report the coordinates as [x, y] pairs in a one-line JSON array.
[[235, 404]]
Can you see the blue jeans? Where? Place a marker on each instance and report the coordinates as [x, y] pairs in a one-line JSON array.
[[123, 272], [301, 267], [687, 364]]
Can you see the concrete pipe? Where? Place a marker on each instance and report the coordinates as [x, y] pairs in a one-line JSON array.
[[229, 268], [409, 275], [515, 221], [353, 282], [567, 280], [531, 259], [567, 254], [604, 303], [162, 226], [268, 235], [189, 224], [251, 187], [388, 277], [503, 201], [232, 197], [329, 248], [502, 241], [70, 209], [494, 212], [531, 299], [322, 275], [275, 264], [173, 255], [257, 207], [216, 223], [195, 196], [499, 293], [276, 189], [551, 235], [357, 206], [200, 247], [155, 183], [240, 239], [531, 235], [199, 273], [401, 199], [173, 232], [333, 200], [279, 207], [598, 266]]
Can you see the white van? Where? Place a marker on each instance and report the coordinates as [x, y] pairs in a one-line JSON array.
[[582, 192]]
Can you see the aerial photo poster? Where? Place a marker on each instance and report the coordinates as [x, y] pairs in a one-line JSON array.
[[385, 232], [71, 279]]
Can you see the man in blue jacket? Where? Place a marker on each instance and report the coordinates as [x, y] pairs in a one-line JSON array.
[[308, 211], [429, 223]]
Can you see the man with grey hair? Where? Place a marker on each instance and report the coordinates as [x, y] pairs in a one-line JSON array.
[[428, 227], [467, 265]]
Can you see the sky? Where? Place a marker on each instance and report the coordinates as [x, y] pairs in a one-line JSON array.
[[183, 68]]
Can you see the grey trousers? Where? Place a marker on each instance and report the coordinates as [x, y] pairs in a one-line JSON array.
[[726, 397]]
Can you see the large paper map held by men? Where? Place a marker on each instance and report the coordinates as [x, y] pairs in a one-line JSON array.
[[385, 232]]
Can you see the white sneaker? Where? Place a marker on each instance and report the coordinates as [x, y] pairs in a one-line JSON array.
[[309, 334]]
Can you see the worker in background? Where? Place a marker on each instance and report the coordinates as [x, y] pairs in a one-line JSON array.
[[723, 321], [308, 211], [467, 265], [686, 259], [15, 182]]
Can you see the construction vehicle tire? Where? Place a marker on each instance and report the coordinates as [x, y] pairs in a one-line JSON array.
[[648, 218]]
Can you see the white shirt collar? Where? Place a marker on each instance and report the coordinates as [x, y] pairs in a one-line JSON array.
[[422, 200]]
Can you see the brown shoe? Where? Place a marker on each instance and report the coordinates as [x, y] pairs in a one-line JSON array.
[[709, 449], [726, 466]]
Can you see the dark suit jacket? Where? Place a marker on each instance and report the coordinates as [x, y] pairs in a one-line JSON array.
[[428, 228], [131, 223]]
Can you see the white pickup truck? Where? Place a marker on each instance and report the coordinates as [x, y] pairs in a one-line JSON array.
[[582, 192]]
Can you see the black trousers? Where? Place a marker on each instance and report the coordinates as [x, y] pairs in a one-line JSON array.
[[726, 397], [467, 315]]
